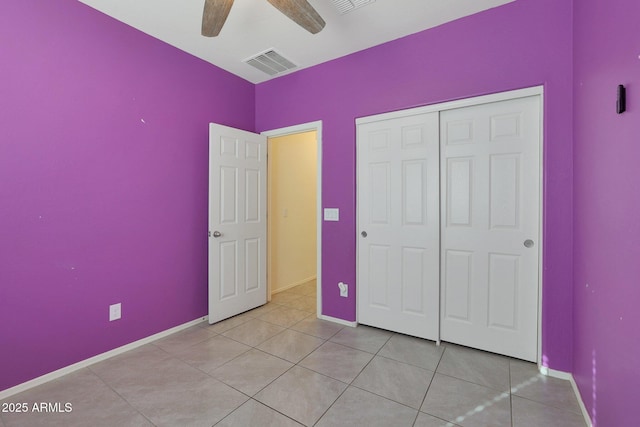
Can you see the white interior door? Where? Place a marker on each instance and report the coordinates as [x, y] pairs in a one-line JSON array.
[[490, 226], [398, 210], [237, 221]]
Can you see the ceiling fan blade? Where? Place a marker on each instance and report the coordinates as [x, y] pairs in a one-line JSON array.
[[301, 12], [213, 17]]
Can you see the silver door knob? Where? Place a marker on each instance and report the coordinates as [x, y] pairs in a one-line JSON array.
[[363, 234], [528, 243], [217, 234]]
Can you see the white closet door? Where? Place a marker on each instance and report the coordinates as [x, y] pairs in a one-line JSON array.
[[490, 182], [237, 221], [398, 225]]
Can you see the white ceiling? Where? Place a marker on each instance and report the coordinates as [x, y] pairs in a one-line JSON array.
[[254, 26]]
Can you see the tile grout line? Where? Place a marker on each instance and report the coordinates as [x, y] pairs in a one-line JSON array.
[[435, 370], [513, 421], [120, 395]]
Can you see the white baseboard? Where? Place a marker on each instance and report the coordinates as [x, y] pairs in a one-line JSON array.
[[292, 285], [555, 374], [336, 320], [569, 377], [95, 359]]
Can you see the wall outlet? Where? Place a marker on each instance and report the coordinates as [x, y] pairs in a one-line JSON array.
[[344, 289], [115, 312]]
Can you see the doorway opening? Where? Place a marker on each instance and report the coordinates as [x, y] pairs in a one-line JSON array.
[[294, 232]]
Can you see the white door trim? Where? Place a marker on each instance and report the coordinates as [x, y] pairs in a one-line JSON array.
[[484, 99], [459, 103], [307, 127]]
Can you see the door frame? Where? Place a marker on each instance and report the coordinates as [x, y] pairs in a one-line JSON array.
[[291, 130], [473, 101]]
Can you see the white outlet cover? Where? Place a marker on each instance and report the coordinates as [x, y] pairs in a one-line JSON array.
[[115, 312], [344, 289]]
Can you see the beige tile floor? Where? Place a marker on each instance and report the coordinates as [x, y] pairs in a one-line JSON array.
[[278, 365]]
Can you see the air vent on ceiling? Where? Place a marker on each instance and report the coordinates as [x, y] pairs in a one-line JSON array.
[[271, 62], [346, 6]]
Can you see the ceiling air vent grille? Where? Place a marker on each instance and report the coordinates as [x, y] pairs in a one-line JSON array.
[[271, 62], [346, 6]]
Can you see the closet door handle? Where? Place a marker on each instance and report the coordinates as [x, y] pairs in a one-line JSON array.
[[363, 234], [217, 234], [528, 243]]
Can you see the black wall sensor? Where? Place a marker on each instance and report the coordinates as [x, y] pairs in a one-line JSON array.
[[621, 104]]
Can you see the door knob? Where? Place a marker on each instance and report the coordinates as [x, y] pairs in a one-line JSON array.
[[363, 234], [217, 234], [528, 243]]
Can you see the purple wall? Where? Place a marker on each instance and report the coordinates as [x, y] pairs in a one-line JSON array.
[[522, 44], [103, 183], [607, 206], [103, 173]]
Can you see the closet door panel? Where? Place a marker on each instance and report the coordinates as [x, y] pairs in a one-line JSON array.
[[398, 225]]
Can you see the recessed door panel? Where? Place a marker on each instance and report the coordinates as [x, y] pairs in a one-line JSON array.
[[378, 140], [412, 137], [504, 283], [252, 151], [505, 191], [252, 195], [379, 276], [379, 177], [253, 259], [506, 127], [228, 195], [228, 270], [414, 193], [228, 147], [457, 285], [459, 191], [413, 279], [458, 132]]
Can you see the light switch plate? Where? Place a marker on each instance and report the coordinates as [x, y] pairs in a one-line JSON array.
[[331, 214]]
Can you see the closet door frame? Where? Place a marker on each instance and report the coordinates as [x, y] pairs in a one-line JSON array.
[[473, 101]]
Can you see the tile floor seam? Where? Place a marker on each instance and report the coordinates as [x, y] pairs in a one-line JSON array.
[[513, 421], [560, 408], [362, 370], [273, 355], [333, 403], [121, 396], [320, 373], [385, 397], [308, 334], [427, 391], [506, 390], [259, 403], [385, 343], [355, 348], [279, 357], [287, 370], [228, 361], [435, 371], [415, 419], [440, 358]]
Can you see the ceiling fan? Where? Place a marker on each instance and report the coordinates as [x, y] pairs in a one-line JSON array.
[[300, 11]]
